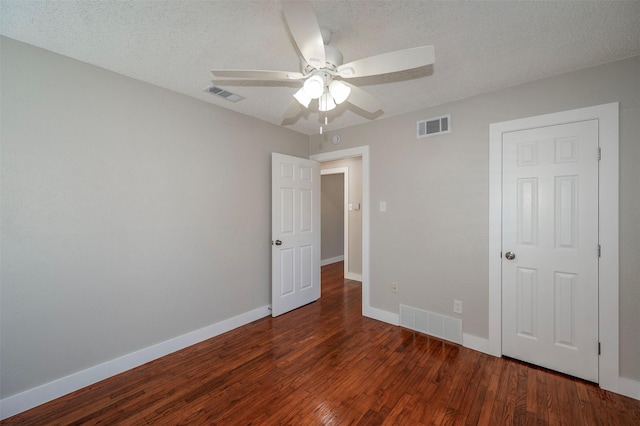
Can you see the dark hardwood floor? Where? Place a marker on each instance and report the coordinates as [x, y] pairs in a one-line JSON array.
[[325, 364]]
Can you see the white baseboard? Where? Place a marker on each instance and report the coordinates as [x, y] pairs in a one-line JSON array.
[[331, 260], [352, 276], [39, 395], [476, 343], [629, 387], [380, 315]]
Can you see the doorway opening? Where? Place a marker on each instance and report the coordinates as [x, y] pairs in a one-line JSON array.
[[334, 220], [341, 190], [362, 152]]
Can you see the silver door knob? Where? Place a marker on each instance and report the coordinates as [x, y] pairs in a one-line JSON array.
[[510, 255], [278, 242]]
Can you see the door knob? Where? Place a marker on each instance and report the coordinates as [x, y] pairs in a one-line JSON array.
[[278, 242], [510, 255]]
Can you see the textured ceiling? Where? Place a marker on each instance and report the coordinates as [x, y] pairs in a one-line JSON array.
[[480, 45]]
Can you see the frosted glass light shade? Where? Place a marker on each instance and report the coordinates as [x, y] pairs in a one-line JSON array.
[[314, 86], [326, 102], [339, 91], [302, 97]]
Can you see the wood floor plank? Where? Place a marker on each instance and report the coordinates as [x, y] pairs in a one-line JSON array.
[[326, 364], [489, 402]]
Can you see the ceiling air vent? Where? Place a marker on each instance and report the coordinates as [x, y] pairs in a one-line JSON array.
[[433, 126], [224, 94]]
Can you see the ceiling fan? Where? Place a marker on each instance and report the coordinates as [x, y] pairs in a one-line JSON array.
[[322, 68]]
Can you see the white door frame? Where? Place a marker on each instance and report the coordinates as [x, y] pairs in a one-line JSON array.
[[345, 210], [363, 152], [608, 205]]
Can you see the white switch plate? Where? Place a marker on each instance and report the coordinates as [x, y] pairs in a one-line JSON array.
[[457, 306], [383, 206]]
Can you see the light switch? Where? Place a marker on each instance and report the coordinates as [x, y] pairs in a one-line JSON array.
[[383, 206], [350, 206]]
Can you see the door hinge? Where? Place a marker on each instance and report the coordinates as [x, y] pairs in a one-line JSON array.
[[599, 348], [599, 250], [599, 153]]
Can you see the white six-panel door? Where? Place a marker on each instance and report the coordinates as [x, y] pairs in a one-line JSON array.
[[550, 247], [295, 232]]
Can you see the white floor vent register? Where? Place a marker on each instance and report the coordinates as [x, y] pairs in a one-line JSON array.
[[430, 323]]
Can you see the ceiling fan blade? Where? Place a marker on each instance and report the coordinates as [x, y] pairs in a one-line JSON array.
[[305, 30], [399, 60], [291, 111], [259, 74], [363, 100]]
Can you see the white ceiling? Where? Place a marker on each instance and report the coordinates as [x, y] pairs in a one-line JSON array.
[[480, 45]]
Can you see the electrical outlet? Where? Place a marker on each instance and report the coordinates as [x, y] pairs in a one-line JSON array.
[[394, 287], [457, 306]]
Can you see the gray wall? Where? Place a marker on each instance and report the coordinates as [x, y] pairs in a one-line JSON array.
[[433, 239], [130, 215], [332, 223]]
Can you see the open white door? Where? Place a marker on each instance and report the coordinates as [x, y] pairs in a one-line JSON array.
[[295, 232]]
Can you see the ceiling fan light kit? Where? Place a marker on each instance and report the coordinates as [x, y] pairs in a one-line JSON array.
[[322, 66], [314, 86], [326, 103], [303, 97], [339, 91]]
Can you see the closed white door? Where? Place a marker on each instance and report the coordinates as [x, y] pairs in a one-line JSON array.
[[295, 232], [550, 247]]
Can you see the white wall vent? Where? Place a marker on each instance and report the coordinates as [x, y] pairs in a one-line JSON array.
[[224, 94], [430, 323], [433, 126]]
